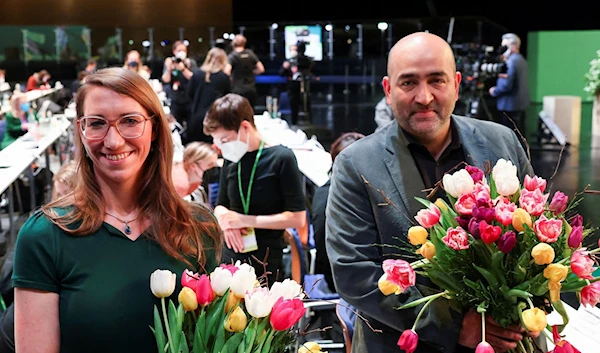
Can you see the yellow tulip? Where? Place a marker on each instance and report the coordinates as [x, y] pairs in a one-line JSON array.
[[520, 218], [187, 297], [556, 272], [427, 250], [232, 301], [236, 321], [543, 254], [310, 347], [417, 235], [554, 288], [386, 287], [441, 205], [534, 319]]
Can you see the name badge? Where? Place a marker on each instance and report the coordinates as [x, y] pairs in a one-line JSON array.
[[249, 240]]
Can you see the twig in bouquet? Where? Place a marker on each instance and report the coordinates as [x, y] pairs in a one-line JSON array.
[[322, 329], [264, 277], [516, 129], [439, 183], [387, 202], [562, 149], [593, 192]]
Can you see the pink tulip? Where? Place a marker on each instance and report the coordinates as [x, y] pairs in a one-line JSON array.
[[456, 238], [590, 294], [534, 183], [547, 230], [204, 291], [476, 173], [400, 273], [408, 341], [189, 279], [561, 346], [559, 202], [484, 347], [575, 237], [231, 268], [582, 264], [428, 217], [286, 313], [533, 201]]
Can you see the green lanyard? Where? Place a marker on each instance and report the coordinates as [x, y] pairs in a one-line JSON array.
[[246, 200]]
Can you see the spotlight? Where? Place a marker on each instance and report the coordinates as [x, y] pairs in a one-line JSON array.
[[146, 43], [328, 27], [274, 26], [382, 26], [186, 43]]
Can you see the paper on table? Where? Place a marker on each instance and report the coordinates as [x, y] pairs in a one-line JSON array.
[[583, 329]]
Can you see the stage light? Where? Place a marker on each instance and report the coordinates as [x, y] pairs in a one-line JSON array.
[[200, 40], [146, 43], [382, 26], [274, 26], [130, 42], [163, 43], [225, 35], [186, 42], [347, 28], [328, 27]]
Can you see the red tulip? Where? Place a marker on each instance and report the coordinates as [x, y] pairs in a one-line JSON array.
[[286, 313], [561, 346], [408, 341], [189, 279], [204, 291]]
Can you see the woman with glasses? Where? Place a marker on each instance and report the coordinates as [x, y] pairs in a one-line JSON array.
[[83, 263], [198, 157]]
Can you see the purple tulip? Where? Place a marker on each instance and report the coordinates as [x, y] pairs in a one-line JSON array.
[[476, 173], [484, 214], [559, 202], [463, 221], [575, 237], [474, 228], [577, 221], [507, 242]]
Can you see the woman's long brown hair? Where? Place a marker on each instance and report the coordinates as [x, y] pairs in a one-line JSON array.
[[182, 229]]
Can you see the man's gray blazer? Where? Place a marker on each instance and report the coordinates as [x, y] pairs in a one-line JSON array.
[[359, 217]]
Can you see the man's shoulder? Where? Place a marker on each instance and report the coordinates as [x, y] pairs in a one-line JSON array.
[[370, 146], [482, 127]]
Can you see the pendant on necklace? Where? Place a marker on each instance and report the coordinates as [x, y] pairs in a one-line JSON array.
[[127, 229]]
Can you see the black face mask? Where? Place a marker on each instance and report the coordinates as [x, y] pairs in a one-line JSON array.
[[502, 49]]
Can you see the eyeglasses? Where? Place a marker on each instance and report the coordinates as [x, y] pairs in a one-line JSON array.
[[96, 128]]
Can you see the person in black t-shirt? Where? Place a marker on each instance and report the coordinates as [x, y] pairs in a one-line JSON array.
[[177, 72], [261, 189], [245, 66]]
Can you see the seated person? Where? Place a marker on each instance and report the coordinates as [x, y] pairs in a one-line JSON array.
[[198, 157], [17, 119], [39, 80]]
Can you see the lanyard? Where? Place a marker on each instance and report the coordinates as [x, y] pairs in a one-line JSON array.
[[246, 200]]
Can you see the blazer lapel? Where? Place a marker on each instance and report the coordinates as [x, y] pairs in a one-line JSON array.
[[476, 152], [403, 171]]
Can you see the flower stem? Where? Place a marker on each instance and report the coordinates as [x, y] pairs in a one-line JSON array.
[[431, 299], [422, 300], [531, 306], [164, 310], [528, 345], [483, 327], [522, 347]]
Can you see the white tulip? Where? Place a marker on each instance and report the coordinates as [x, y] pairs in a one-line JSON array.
[[507, 184], [459, 183], [243, 280], [162, 283], [220, 280], [503, 167], [288, 289], [258, 302]]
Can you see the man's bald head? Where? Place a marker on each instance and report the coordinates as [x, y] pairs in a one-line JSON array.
[[415, 43]]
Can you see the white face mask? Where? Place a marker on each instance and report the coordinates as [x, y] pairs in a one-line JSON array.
[[181, 55], [234, 150]]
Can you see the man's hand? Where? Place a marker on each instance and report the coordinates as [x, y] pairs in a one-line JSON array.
[[180, 66], [169, 64], [492, 89], [503, 75], [502, 339], [286, 65]]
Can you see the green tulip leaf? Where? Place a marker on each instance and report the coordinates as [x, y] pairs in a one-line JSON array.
[[158, 331]]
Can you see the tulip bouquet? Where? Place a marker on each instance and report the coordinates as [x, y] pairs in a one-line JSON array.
[[500, 248], [225, 311]]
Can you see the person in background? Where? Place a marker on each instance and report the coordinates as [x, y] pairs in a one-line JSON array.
[[383, 114], [512, 88], [38, 80], [319, 205], [198, 157], [177, 73], [78, 82], [404, 161], [18, 119], [83, 262], [91, 66], [261, 190], [245, 66], [133, 62], [63, 183], [2, 77], [208, 83]]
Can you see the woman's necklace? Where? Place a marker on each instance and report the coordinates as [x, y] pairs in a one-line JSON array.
[[127, 227]]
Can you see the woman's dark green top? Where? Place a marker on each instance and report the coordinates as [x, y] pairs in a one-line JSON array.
[[103, 280]]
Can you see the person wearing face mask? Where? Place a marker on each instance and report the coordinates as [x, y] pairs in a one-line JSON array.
[[17, 119], [38, 80], [177, 73], [512, 88], [198, 157], [261, 189]]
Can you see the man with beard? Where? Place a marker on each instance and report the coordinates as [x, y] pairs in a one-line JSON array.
[[405, 160]]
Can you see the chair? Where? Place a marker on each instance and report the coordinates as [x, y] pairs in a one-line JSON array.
[[284, 103], [297, 252], [346, 315]]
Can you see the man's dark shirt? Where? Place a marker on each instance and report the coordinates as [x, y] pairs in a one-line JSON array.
[[431, 170]]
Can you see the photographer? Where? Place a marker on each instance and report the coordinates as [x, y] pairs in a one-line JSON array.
[[177, 72], [512, 88]]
